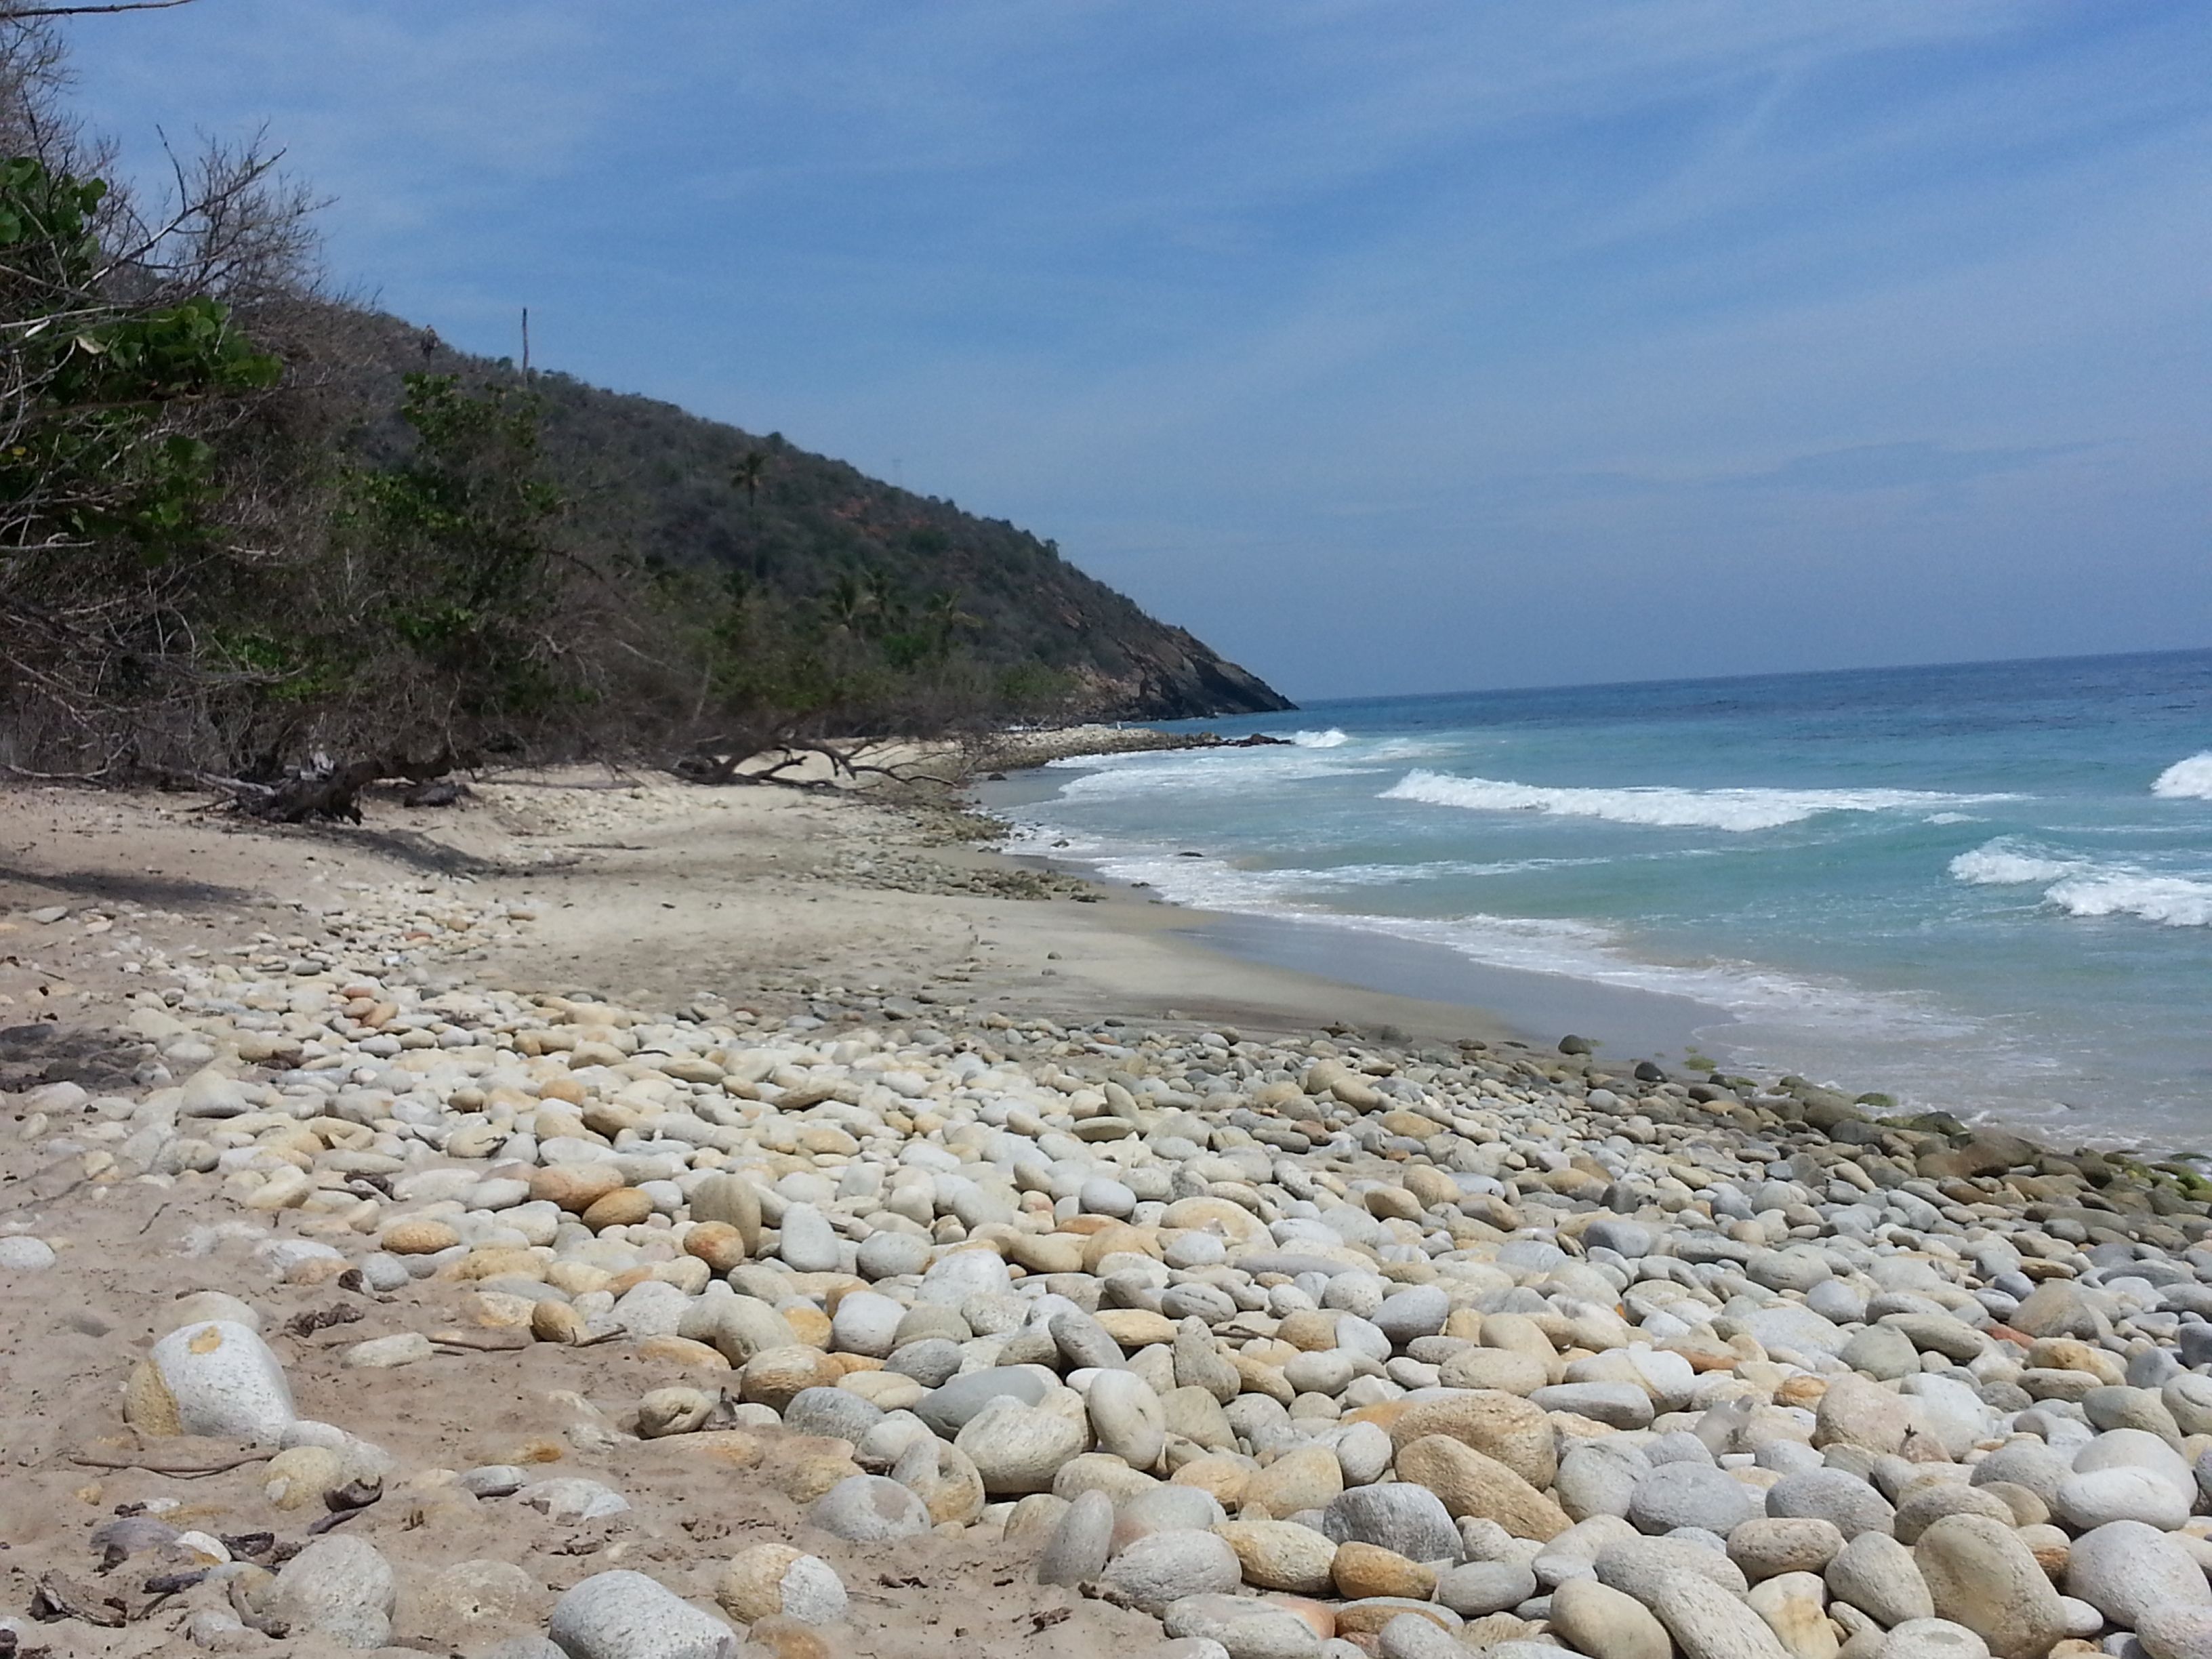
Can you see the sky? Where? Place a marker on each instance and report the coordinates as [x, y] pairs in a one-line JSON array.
[[1389, 345]]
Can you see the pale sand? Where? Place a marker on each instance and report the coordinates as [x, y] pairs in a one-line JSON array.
[[648, 891], [660, 891]]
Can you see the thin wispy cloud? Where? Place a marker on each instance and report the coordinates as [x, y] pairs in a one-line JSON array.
[[1349, 333]]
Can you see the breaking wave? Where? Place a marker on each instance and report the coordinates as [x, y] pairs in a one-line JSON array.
[[2186, 780], [2083, 887], [1737, 810], [2169, 901], [1998, 865]]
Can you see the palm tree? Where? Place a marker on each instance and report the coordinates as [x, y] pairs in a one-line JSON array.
[[882, 599], [752, 467], [850, 599], [945, 616]]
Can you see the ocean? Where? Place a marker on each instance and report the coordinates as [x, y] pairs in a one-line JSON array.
[[1983, 887]]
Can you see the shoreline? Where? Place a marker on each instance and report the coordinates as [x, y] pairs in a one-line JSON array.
[[1625, 1023], [1421, 981], [1528, 1005], [664, 889], [1294, 972], [615, 1188]]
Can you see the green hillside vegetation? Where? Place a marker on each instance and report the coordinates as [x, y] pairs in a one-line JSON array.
[[242, 525], [811, 545]]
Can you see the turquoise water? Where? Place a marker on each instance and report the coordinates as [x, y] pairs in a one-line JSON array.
[[1984, 887]]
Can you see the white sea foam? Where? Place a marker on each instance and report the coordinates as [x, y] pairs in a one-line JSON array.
[[1310, 754], [1910, 1044], [1737, 810], [1546, 945], [2186, 780], [2002, 863], [2086, 888], [1392, 875], [1949, 817], [1200, 771], [1217, 884], [2170, 900]]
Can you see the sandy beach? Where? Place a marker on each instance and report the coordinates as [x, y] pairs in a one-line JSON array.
[[662, 891], [638, 887], [481, 1141]]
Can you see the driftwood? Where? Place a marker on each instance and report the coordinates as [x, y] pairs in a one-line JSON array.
[[347, 1502], [479, 1341], [331, 795], [174, 1470], [309, 1321], [328, 792], [59, 1596], [717, 761], [172, 1583]]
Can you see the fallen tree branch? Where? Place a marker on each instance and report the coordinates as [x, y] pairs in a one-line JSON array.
[[25, 772], [458, 1341], [717, 762], [325, 791], [178, 1471]]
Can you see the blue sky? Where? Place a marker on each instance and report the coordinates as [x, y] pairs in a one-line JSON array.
[[1390, 345]]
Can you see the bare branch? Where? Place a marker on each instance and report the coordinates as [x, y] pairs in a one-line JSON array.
[[175, 1469], [10, 14], [718, 761]]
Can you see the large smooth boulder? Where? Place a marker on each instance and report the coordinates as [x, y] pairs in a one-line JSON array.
[[627, 1615], [1498, 1425], [2126, 1569], [1081, 1541], [1980, 1575], [215, 1378], [339, 1589], [1161, 1569], [1468, 1483], [1283, 1555], [771, 1581], [1241, 1627], [1708, 1623], [868, 1509], [1878, 1576], [1018, 1449], [1408, 1519], [947, 1409], [1600, 1620], [1847, 1501], [1690, 1495], [1126, 1418], [1857, 1412]]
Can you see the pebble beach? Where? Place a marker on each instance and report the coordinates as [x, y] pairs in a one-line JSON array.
[[642, 1222]]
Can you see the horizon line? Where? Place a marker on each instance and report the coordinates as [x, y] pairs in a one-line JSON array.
[[1732, 679]]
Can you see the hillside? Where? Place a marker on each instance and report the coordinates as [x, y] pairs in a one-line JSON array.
[[654, 484], [246, 529]]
